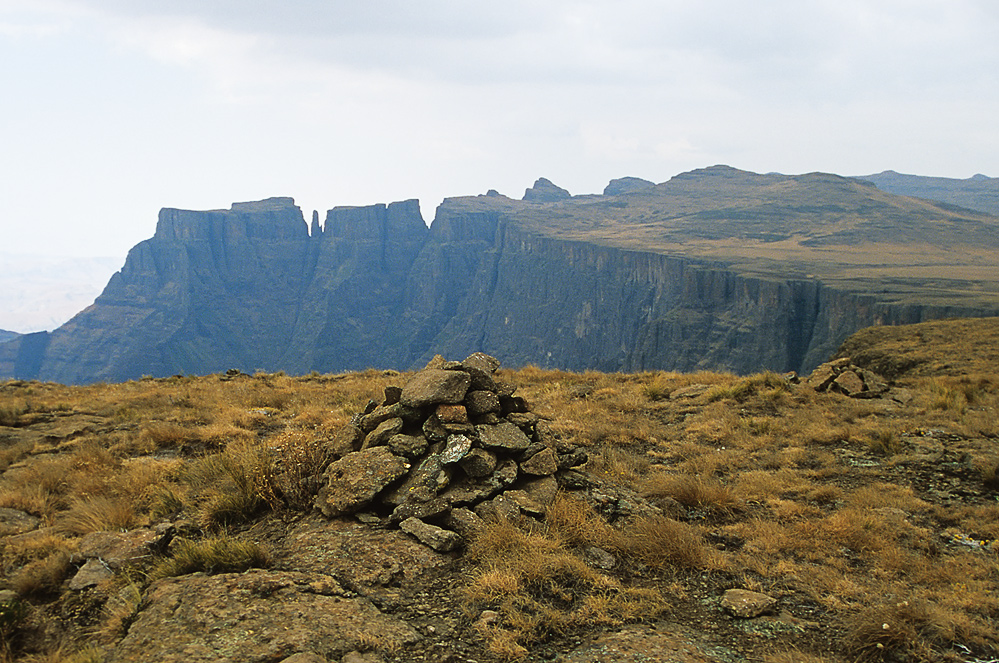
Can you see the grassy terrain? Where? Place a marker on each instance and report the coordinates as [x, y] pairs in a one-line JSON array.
[[840, 231], [943, 347], [871, 522]]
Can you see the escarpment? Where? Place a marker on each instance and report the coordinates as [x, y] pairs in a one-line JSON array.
[[716, 269]]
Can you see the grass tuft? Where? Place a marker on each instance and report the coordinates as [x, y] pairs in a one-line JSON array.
[[217, 554], [541, 589]]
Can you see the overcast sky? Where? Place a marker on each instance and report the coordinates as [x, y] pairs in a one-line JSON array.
[[112, 109]]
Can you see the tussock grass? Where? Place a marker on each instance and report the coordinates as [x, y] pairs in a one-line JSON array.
[[907, 630], [233, 486], [97, 514], [693, 491], [41, 576], [664, 544], [769, 386], [828, 501], [66, 653], [217, 554], [541, 589], [11, 412]]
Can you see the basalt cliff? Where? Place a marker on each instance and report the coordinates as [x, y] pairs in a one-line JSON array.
[[715, 269]]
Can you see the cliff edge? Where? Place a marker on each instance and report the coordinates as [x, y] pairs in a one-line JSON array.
[[715, 269]]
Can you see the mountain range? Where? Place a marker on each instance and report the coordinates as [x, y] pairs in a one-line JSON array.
[[716, 268]]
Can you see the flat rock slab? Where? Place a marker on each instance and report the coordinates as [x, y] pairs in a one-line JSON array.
[[543, 463], [119, 549], [503, 437], [441, 540], [747, 604], [849, 383], [378, 561], [94, 572], [255, 617], [13, 521]]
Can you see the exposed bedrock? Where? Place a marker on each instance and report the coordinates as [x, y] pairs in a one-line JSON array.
[[251, 288]]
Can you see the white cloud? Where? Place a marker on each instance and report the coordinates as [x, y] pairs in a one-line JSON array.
[[123, 106]]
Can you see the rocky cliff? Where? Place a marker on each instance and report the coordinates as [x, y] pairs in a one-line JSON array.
[[716, 269]]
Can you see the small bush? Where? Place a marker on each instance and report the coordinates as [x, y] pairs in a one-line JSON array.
[[219, 554], [303, 459], [232, 487]]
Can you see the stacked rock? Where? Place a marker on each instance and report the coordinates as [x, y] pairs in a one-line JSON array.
[[451, 450], [843, 377]]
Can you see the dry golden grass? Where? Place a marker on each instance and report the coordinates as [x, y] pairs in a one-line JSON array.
[[216, 554], [97, 514], [967, 348], [698, 491], [541, 588], [41, 576], [849, 506]]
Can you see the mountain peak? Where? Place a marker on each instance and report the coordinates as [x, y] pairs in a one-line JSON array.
[[544, 191]]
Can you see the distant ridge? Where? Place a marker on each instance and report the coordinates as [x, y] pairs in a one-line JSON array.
[[978, 192], [716, 269], [7, 335]]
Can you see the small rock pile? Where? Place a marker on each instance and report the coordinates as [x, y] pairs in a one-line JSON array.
[[451, 450], [843, 377]]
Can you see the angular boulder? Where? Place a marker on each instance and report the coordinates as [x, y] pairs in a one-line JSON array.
[[435, 386], [438, 538], [503, 437], [354, 480]]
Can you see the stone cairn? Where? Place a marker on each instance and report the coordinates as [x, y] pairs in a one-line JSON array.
[[839, 375], [443, 455]]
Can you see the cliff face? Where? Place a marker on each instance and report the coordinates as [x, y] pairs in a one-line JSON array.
[[210, 290], [530, 282], [573, 305]]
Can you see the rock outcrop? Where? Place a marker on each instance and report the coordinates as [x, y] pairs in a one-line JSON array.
[[545, 191], [626, 185], [256, 616], [611, 282], [841, 376], [452, 449]]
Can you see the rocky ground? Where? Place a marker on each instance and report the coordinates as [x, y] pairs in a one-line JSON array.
[[370, 573]]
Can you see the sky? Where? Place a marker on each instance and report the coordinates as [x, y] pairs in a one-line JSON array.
[[113, 109]]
